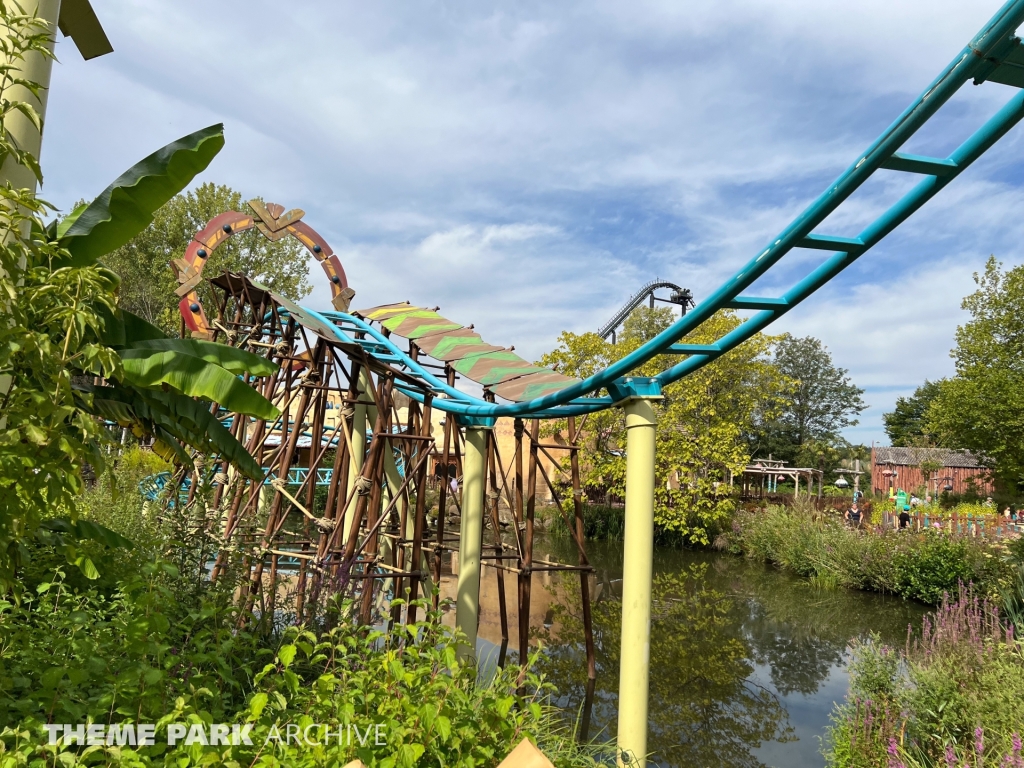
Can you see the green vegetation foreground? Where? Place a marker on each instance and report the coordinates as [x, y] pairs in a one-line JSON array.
[[951, 698], [152, 641]]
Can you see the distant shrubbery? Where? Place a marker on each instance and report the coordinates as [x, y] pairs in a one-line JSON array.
[[599, 522], [921, 566]]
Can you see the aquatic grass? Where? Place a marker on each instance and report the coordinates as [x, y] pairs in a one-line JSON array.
[[970, 756], [920, 566]]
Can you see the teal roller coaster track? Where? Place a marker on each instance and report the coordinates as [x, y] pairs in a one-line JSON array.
[[994, 55]]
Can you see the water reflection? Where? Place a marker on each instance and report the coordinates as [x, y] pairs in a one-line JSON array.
[[738, 651], [706, 709]]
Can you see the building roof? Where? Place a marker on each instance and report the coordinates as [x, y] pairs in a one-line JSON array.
[[912, 457]]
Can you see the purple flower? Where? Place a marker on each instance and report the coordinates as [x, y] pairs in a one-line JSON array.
[[979, 740], [950, 757]]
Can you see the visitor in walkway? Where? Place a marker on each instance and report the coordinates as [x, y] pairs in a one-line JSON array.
[[914, 501], [853, 515], [905, 517]]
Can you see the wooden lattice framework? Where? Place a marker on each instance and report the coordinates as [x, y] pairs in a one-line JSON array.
[[376, 533]]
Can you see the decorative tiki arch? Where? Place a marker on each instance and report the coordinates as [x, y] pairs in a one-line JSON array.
[[274, 224]]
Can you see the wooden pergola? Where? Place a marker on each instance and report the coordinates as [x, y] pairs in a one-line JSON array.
[[763, 477]]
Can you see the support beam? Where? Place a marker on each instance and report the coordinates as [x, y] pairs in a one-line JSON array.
[[467, 606], [694, 349], [635, 652], [929, 166], [831, 243]]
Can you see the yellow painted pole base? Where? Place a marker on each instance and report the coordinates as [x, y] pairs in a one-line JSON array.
[[635, 653]]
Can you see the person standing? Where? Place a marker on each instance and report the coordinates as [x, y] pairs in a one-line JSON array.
[[905, 517]]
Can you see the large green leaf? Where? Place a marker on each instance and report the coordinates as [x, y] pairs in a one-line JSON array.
[[126, 207], [196, 377], [173, 417], [87, 529], [167, 447], [136, 329], [230, 358], [219, 440]]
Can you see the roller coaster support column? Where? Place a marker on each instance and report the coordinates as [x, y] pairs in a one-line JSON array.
[[474, 467], [634, 669], [363, 392]]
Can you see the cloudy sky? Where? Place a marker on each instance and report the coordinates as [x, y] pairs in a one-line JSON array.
[[527, 166]]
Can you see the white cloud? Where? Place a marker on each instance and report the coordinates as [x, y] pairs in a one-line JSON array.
[[527, 167]]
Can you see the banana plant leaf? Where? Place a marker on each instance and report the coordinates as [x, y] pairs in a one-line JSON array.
[[87, 529], [235, 360], [136, 329], [169, 449], [218, 439], [126, 207], [194, 376], [173, 418]]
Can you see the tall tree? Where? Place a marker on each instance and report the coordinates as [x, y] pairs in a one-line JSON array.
[[982, 406], [701, 420], [905, 424], [147, 282], [822, 403]]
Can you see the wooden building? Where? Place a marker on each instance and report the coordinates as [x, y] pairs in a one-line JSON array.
[[901, 468]]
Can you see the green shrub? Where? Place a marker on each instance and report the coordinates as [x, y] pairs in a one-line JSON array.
[[140, 657], [599, 522], [919, 566], [932, 566], [951, 698], [153, 641]]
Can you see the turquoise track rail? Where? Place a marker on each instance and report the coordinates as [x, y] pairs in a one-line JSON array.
[[995, 55]]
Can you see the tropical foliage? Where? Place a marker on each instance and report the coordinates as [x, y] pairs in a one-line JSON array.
[[70, 356], [153, 641]]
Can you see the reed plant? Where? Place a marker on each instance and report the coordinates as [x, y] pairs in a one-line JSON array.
[[952, 697], [921, 566]]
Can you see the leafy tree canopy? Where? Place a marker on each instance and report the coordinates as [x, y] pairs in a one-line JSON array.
[[905, 424], [148, 283], [822, 402], [982, 407], [701, 420]]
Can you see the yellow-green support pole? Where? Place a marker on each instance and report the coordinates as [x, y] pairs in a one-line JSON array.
[[364, 391], [634, 666], [36, 68], [467, 605]]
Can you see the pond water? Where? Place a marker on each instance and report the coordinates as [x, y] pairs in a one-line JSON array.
[[746, 661]]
